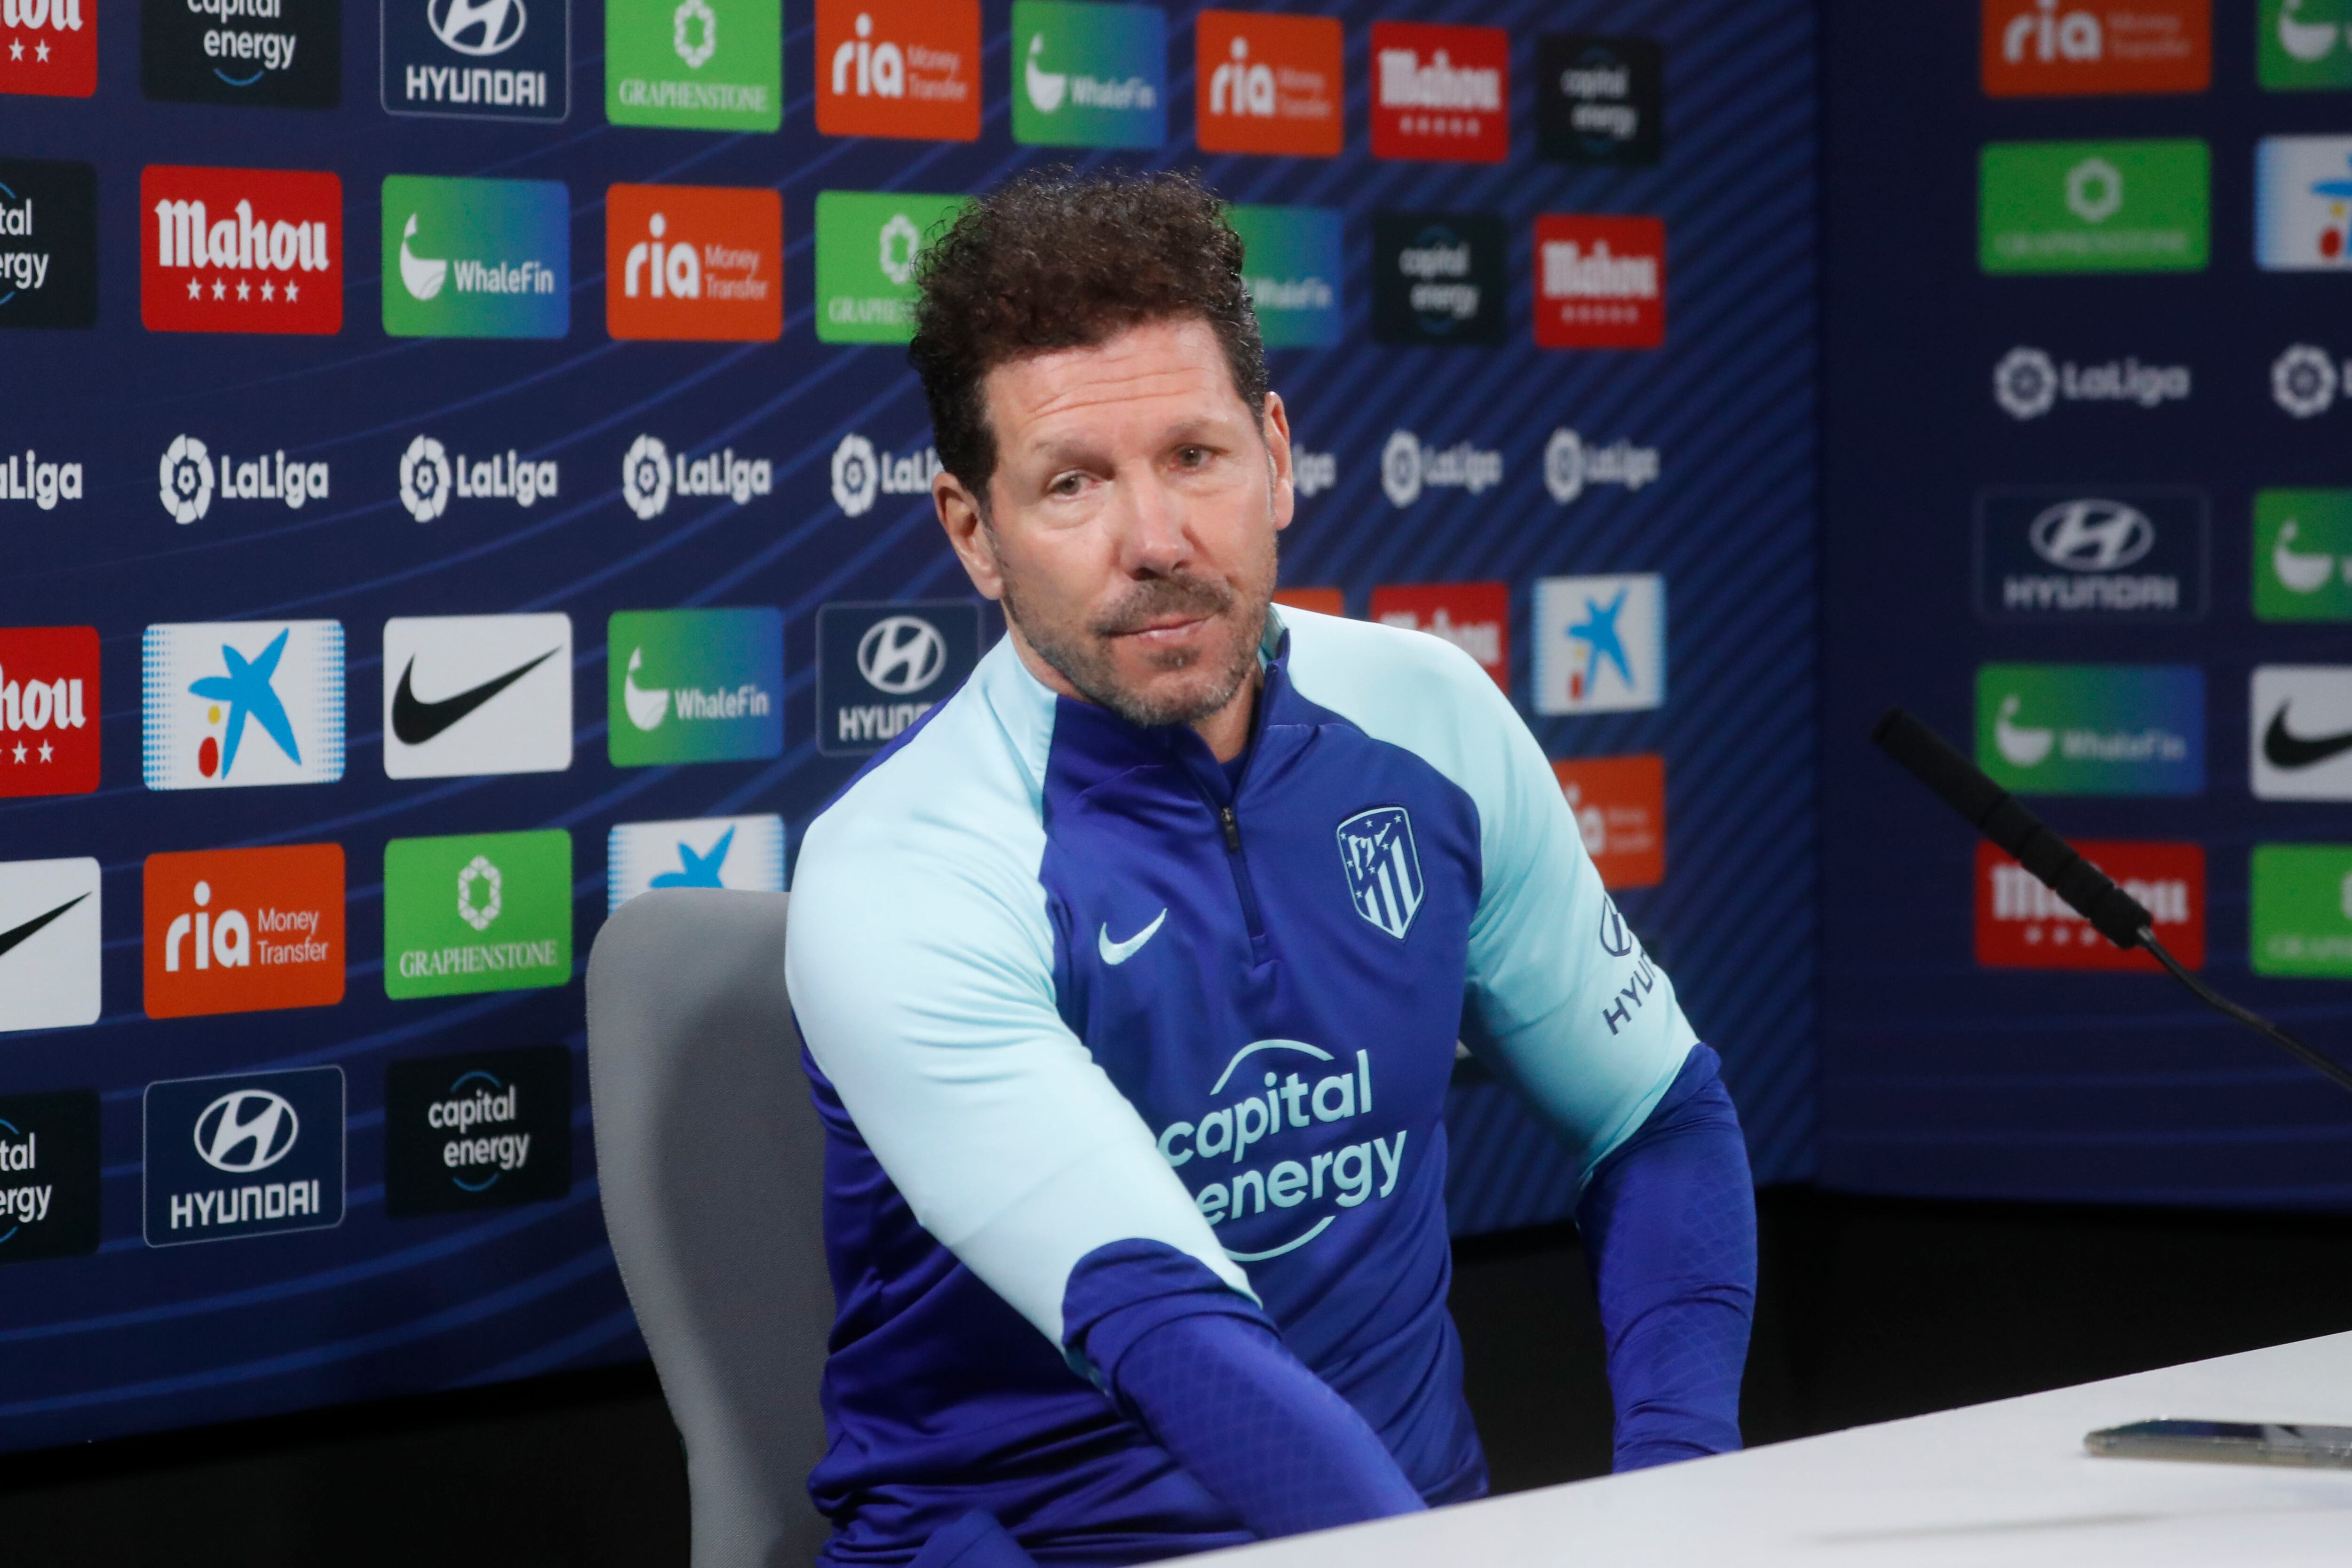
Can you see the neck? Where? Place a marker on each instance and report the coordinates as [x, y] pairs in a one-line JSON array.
[[1226, 731]]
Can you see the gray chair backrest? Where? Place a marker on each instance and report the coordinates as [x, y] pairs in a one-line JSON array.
[[712, 1165]]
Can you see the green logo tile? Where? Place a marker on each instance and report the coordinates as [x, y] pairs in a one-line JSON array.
[[2093, 729], [2093, 206], [867, 243], [694, 685], [1088, 74], [2302, 555], [476, 912], [697, 65], [2301, 921], [2300, 44]]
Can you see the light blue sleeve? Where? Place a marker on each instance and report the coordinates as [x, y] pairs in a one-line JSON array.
[[920, 962], [1562, 1003]]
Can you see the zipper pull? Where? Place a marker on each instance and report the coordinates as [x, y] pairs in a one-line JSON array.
[[1232, 829]]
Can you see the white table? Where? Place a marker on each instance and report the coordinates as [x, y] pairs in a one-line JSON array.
[[2007, 1483]]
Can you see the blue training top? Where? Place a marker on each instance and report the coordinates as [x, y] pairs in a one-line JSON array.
[[1064, 983]]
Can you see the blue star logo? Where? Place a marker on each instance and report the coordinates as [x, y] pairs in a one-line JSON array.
[[1598, 632], [247, 692], [697, 871]]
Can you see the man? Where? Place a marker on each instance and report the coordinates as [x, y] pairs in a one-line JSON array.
[[1131, 978]]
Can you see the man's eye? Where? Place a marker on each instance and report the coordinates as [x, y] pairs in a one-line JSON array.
[[1067, 484], [1191, 456]]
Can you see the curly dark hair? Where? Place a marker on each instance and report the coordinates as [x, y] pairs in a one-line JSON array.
[[1057, 260]]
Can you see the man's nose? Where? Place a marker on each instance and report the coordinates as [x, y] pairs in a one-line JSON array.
[[1153, 538]]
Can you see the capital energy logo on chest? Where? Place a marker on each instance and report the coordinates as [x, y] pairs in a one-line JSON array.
[[1601, 644], [1438, 279], [1475, 617], [227, 704], [49, 931], [2093, 729], [1600, 283], [2128, 554], [237, 931], [433, 474], [1620, 813], [242, 1155], [693, 261], [240, 250], [483, 1129], [745, 854], [286, 53], [48, 245], [1291, 263], [1441, 92], [694, 685], [880, 667], [1088, 74], [699, 64], [2052, 48], [2022, 925], [867, 244], [468, 694], [899, 67], [48, 710], [50, 47], [1600, 99], [477, 60], [476, 912], [193, 474], [1268, 83], [475, 258], [48, 1174], [2302, 555]]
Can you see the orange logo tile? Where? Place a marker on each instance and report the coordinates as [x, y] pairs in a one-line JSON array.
[[1267, 83], [703, 262], [1621, 808], [240, 931]]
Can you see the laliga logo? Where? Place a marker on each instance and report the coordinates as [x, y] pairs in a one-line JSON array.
[[2304, 381], [1569, 466], [425, 479], [187, 479], [247, 1130], [2025, 383], [1401, 468], [645, 477], [1408, 467], [500, 22], [855, 477]]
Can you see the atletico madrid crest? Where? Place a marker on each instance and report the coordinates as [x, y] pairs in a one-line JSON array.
[[1383, 869]]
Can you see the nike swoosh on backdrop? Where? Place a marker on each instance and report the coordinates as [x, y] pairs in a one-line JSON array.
[[9, 939], [1118, 953], [2283, 749], [415, 721]]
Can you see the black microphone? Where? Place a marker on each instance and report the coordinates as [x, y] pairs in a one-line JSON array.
[[2090, 891]]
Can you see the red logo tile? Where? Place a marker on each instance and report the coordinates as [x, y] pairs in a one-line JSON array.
[[2022, 925], [240, 250]]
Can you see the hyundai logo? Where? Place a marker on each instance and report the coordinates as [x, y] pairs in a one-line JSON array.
[[1615, 940], [495, 24], [247, 1130], [2091, 535], [901, 655]]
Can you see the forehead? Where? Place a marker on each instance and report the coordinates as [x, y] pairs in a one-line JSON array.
[[1150, 375]]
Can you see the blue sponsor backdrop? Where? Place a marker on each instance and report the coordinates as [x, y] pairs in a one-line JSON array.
[[133, 1337]]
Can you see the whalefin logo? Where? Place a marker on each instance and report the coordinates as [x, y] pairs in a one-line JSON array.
[[1383, 869]]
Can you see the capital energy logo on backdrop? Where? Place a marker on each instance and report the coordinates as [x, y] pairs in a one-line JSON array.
[[2093, 206], [48, 710], [2300, 44], [1441, 92], [48, 47], [2028, 382], [48, 242], [48, 1174], [2301, 925], [482, 1129], [651, 475], [696, 64], [432, 475], [240, 250], [694, 685], [2022, 925], [475, 258], [860, 473], [1409, 466], [1572, 465], [1600, 283], [285, 53], [1439, 279], [2301, 745], [899, 67], [1475, 617], [880, 667], [1601, 644], [247, 1154], [2042, 48], [1267, 83], [702, 262], [2117, 554], [232, 702], [2302, 555], [470, 695], [1620, 811], [476, 912], [745, 854], [192, 475], [477, 60], [1088, 74], [49, 971], [1291, 263], [1600, 99], [241, 931], [2302, 202], [2093, 729], [867, 243]]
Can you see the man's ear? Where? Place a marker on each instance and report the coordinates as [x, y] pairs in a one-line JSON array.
[[1276, 425], [968, 532]]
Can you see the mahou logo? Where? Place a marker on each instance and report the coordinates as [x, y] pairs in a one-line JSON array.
[[1475, 617], [1268, 83], [48, 710], [701, 262], [235, 931], [50, 47], [1600, 283], [1441, 93], [2022, 925], [907, 69], [240, 250]]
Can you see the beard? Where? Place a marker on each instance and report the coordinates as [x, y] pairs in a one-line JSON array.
[[1083, 653]]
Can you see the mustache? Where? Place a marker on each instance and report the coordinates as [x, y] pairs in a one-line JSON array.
[[1180, 593]]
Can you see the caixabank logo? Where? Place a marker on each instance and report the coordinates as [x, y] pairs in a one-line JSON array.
[[477, 60], [50, 47], [880, 667], [48, 710], [287, 54], [694, 685], [241, 931], [2022, 925], [237, 702], [49, 928], [2302, 204], [48, 242], [48, 1174], [1601, 282], [1088, 74], [868, 244], [240, 250], [695, 65], [1439, 279], [1620, 804], [1441, 92], [743, 854], [1600, 99], [1601, 644], [475, 258], [906, 68], [2093, 729], [1268, 83], [702, 262], [486, 1129], [244, 1155], [2046, 48], [1291, 263], [1475, 617], [476, 912], [466, 695]]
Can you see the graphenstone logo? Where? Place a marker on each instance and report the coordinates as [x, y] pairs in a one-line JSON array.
[[1441, 92], [246, 1155], [48, 710], [1409, 466], [49, 933], [190, 476], [693, 261], [2302, 555], [2302, 916], [1439, 279], [743, 853], [484, 1129], [697, 65], [471, 695], [1089, 75], [49, 1174], [50, 47], [880, 667], [1267, 83], [694, 685], [240, 250], [867, 244], [431, 474], [906, 68], [2093, 206], [48, 243], [1600, 99], [479, 912], [1572, 466], [475, 258], [2052, 47], [2022, 925], [2027, 383], [243, 701], [2301, 741], [1601, 644], [2304, 44], [2093, 729], [1620, 813], [1600, 283], [651, 476], [860, 473], [2128, 554], [2302, 202], [1291, 263], [287, 53], [1475, 617], [238, 931], [477, 60]]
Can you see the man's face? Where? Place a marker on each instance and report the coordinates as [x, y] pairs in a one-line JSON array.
[[1131, 518]]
